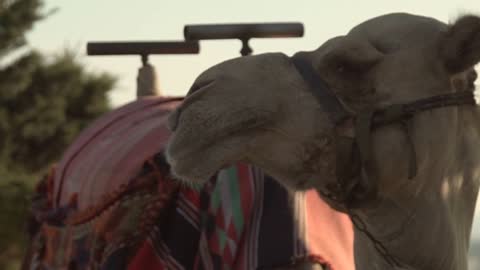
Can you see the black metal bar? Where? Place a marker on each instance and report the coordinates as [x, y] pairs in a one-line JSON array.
[[142, 48], [242, 31]]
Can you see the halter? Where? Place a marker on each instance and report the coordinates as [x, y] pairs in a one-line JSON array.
[[358, 149], [355, 166]]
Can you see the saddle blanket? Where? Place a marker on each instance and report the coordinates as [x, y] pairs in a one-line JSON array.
[[110, 203]]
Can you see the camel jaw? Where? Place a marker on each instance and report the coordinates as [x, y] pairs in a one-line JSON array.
[[196, 159], [186, 158], [188, 168]]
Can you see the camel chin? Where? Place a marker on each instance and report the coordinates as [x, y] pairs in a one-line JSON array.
[[189, 168], [203, 162]]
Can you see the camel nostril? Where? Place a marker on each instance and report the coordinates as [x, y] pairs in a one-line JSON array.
[[192, 96]]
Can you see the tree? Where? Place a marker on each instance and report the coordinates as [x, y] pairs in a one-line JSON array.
[[44, 106], [16, 18], [44, 103]]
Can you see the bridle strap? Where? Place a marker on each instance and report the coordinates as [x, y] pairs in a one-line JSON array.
[[400, 112], [352, 153], [330, 103], [360, 147], [356, 153], [363, 143]]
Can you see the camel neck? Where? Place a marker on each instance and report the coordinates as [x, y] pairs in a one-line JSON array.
[[425, 222], [411, 226]]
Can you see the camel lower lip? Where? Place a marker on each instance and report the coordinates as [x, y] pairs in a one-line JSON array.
[[187, 169], [187, 176]]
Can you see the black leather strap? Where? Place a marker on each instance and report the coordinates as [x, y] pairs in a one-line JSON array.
[[356, 170], [329, 101]]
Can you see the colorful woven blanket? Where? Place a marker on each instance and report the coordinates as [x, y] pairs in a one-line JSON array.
[[111, 204]]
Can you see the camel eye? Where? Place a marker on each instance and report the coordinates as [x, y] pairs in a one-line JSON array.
[[349, 68], [345, 69]]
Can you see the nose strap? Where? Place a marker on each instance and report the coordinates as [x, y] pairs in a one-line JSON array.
[[363, 143], [359, 181], [355, 162], [356, 170], [412, 166], [328, 100]]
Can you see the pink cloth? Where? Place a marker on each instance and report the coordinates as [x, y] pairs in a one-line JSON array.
[[113, 149], [110, 152], [329, 233]]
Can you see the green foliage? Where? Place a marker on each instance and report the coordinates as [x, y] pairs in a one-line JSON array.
[[14, 205], [17, 17], [44, 104]]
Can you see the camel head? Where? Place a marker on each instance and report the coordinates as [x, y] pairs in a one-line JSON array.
[[260, 109]]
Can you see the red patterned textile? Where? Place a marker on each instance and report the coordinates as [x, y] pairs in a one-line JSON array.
[[110, 204]]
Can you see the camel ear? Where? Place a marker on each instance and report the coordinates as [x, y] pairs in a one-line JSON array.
[[460, 45]]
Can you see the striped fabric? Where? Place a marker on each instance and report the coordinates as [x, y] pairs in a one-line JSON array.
[[110, 152], [242, 219], [110, 209]]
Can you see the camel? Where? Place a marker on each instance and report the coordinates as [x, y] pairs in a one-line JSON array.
[[412, 197]]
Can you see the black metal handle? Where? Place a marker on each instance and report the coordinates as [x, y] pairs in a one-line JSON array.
[[242, 31], [142, 48]]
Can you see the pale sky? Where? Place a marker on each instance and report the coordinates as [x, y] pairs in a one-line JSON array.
[[78, 22]]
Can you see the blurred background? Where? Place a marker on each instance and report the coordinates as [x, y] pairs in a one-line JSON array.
[[50, 89]]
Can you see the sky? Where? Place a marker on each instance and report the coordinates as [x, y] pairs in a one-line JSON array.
[[77, 22]]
